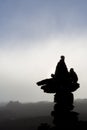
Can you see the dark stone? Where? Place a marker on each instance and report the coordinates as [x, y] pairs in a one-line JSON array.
[[62, 84]]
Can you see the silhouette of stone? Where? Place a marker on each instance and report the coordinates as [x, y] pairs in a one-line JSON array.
[[73, 76], [61, 72], [62, 83]]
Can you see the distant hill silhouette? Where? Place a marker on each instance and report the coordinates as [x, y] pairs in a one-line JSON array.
[[25, 116], [81, 108], [38, 109], [14, 110]]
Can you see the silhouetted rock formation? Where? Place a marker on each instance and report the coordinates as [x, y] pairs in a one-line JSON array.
[[62, 83]]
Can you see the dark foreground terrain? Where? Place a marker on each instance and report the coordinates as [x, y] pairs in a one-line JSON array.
[[29, 116], [24, 116]]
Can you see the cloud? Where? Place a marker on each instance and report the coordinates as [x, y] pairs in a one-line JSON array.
[[20, 69], [33, 35], [28, 22]]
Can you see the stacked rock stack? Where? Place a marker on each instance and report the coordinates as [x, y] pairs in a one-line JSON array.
[[62, 83]]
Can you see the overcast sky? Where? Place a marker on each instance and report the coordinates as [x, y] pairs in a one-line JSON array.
[[33, 35]]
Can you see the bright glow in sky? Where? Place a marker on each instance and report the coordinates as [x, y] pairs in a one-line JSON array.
[[33, 35]]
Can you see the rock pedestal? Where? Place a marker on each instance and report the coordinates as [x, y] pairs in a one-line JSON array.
[[62, 84]]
